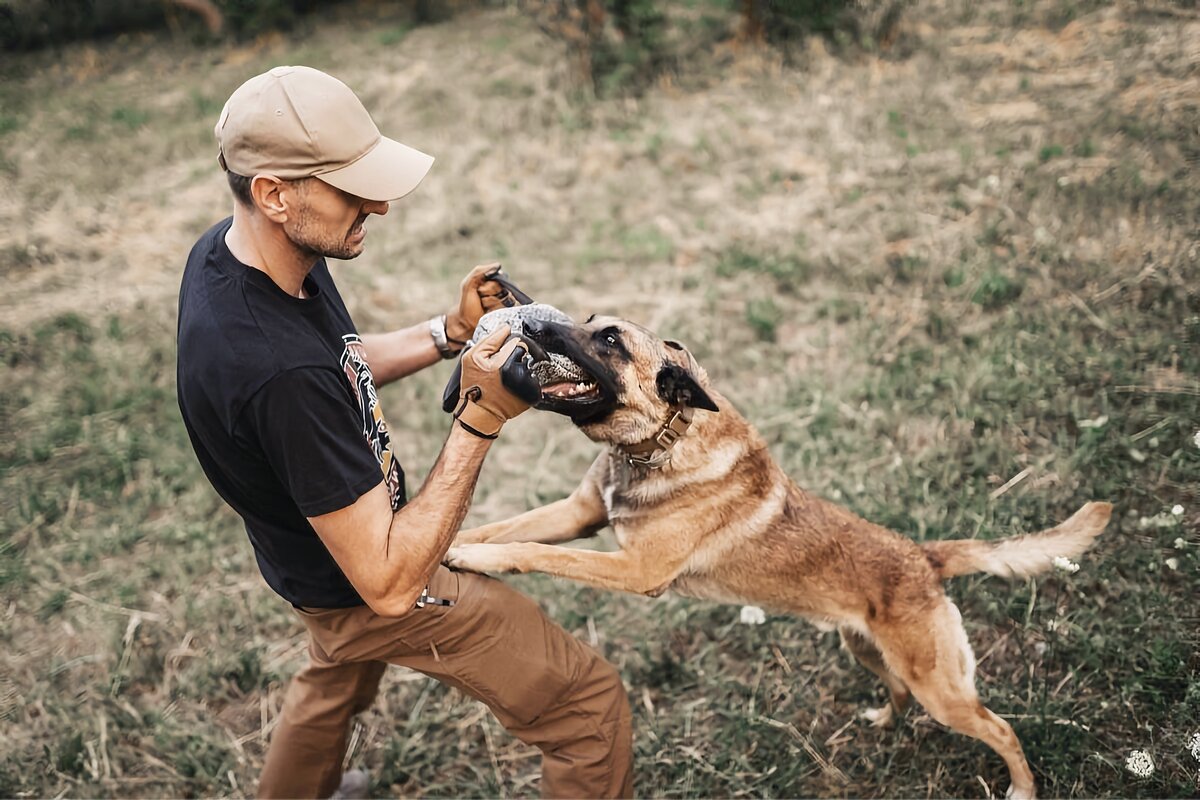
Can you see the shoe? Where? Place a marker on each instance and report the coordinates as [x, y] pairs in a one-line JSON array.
[[354, 785]]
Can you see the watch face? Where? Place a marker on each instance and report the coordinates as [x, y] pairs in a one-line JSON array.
[[437, 330]]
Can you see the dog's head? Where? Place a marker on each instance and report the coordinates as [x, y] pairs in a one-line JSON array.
[[616, 380]]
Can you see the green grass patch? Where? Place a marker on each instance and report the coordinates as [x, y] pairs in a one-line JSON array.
[[394, 35], [788, 272], [1050, 151], [763, 316], [131, 118], [996, 290]]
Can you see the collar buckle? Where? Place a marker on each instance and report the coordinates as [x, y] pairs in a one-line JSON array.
[[655, 452], [669, 435]]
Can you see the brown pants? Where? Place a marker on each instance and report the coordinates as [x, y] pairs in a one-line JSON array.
[[544, 685]]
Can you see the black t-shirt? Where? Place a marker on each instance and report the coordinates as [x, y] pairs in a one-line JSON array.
[[280, 405]]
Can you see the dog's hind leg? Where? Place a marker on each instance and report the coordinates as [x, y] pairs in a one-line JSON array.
[[932, 655], [863, 648]]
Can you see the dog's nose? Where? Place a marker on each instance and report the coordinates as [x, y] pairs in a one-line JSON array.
[[534, 328]]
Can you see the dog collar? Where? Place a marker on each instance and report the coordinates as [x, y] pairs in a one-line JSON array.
[[655, 452]]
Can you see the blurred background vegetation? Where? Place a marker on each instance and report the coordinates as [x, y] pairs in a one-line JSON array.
[[617, 43], [943, 254]]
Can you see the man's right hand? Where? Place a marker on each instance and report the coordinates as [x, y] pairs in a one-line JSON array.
[[484, 404], [479, 293]]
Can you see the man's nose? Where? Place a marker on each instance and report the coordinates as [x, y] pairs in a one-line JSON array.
[[379, 207]]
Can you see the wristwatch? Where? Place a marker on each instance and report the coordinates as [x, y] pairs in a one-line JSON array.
[[437, 330]]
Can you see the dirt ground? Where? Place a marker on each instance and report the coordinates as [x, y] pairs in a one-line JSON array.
[[953, 283]]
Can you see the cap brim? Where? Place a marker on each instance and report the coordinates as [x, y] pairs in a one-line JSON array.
[[387, 172]]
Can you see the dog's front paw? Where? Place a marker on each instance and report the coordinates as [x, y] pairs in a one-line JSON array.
[[471, 536], [883, 717], [481, 558], [1014, 793]]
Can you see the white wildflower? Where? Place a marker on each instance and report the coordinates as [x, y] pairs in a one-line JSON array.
[[1180, 543], [752, 615], [1196, 439], [1172, 564], [1064, 564], [1194, 745], [1140, 764], [1177, 510], [1098, 422], [1165, 519]]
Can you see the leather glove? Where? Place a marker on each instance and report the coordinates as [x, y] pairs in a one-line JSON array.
[[479, 293], [484, 402]]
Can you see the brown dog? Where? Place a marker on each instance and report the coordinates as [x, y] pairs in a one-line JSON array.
[[699, 507]]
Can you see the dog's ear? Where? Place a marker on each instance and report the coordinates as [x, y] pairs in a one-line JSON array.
[[678, 387]]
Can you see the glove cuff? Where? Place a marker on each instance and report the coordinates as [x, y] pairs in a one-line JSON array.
[[457, 330], [475, 418]]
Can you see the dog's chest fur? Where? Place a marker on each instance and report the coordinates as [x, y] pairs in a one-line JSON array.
[[627, 500], [700, 513]]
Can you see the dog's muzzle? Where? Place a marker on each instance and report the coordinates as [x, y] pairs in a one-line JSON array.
[[516, 318]]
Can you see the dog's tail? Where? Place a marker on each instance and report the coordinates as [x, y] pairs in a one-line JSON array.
[[1020, 555]]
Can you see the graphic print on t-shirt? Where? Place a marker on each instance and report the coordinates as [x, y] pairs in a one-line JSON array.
[[375, 429]]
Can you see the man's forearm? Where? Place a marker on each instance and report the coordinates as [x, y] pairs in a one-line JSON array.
[[422, 530], [388, 556], [400, 353]]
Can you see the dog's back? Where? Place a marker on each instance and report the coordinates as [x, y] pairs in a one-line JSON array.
[[757, 537]]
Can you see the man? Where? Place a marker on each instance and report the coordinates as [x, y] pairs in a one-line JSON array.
[[277, 390]]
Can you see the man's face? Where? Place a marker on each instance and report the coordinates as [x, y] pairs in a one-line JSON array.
[[326, 221]]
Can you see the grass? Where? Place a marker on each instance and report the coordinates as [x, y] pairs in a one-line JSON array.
[[394, 36], [984, 381]]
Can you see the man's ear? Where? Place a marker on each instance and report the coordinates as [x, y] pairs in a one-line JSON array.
[[678, 387], [266, 192]]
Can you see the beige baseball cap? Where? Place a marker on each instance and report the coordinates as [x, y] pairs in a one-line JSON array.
[[298, 122]]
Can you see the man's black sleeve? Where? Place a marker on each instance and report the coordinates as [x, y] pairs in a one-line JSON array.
[[308, 426]]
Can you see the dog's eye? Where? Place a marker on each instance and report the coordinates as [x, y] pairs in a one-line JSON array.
[[609, 339]]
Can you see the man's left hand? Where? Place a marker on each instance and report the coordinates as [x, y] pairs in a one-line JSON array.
[[479, 294]]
